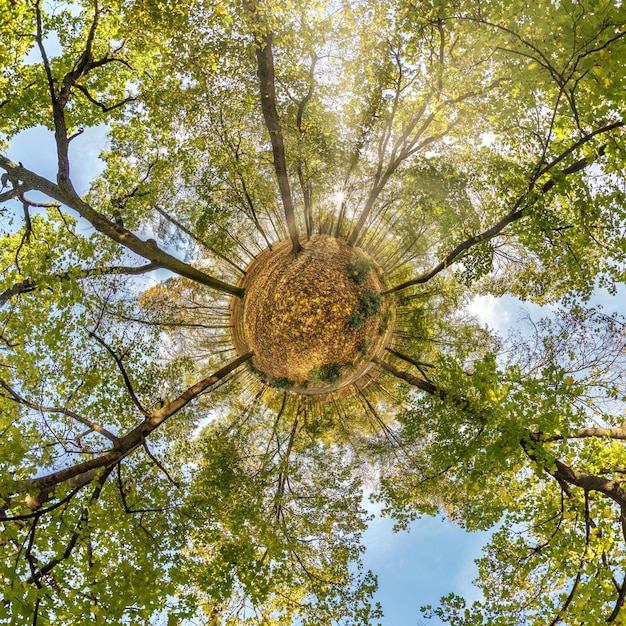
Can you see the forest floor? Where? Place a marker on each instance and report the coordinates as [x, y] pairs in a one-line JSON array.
[[312, 321]]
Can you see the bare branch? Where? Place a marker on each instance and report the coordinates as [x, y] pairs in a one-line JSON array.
[[104, 107], [62, 410], [123, 371], [29, 285], [197, 239], [159, 464]]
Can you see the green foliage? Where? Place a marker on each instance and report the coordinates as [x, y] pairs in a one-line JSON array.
[[364, 346], [369, 304], [384, 323], [355, 320], [478, 263], [282, 383], [327, 373], [359, 270], [467, 445], [483, 146], [246, 531]]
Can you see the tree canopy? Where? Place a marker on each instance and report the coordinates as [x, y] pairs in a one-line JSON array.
[[151, 470]]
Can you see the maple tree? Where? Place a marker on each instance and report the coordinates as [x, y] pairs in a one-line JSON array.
[[151, 467]]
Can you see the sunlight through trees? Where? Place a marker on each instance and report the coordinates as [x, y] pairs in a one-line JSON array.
[[258, 311]]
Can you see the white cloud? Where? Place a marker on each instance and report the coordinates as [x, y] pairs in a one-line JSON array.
[[503, 313]]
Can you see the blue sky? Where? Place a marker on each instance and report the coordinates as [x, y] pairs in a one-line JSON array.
[[416, 568], [36, 149]]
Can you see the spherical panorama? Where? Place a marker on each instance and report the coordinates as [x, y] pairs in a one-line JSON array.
[[314, 320]]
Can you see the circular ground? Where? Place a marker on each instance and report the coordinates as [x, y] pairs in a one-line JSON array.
[[314, 321]]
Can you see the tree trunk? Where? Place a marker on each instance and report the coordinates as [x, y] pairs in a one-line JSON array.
[[420, 383], [265, 63]]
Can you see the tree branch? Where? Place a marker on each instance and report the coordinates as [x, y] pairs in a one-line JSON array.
[[589, 482], [522, 207], [62, 410], [120, 365], [621, 596], [197, 239], [582, 433], [420, 383], [420, 365], [45, 569], [158, 464], [304, 186], [104, 107], [147, 249], [42, 488], [29, 285]]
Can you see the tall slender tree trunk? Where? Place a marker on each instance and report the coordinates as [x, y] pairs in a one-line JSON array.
[[265, 63]]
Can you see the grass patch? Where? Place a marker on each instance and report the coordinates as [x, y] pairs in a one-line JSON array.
[[356, 320], [369, 305], [384, 323], [359, 270], [283, 383], [364, 347], [328, 373], [370, 302]]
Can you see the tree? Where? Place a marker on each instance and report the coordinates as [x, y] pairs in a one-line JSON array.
[[455, 149], [540, 453]]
